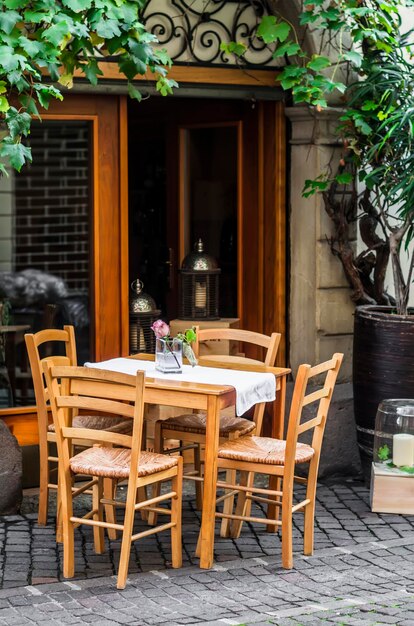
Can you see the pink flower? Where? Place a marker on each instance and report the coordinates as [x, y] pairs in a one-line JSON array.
[[161, 329]]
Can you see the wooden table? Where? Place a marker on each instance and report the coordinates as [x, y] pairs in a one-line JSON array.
[[212, 399]]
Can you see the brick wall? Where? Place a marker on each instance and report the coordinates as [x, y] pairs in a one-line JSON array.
[[52, 200]]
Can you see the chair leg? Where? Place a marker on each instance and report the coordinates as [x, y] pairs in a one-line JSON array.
[[43, 489], [309, 520], [59, 526], [228, 505], [109, 491], [176, 508], [127, 534], [68, 531], [156, 488], [273, 511], [236, 525], [287, 548], [98, 531], [198, 484]]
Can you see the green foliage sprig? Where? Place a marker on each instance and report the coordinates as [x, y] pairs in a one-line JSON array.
[[48, 41]]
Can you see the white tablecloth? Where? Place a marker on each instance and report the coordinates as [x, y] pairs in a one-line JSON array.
[[251, 387]]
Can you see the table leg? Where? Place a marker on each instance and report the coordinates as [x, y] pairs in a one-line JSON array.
[[208, 518], [277, 433]]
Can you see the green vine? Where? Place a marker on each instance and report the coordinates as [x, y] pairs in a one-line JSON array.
[[45, 43]]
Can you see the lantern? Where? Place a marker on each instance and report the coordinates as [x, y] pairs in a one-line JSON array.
[[392, 478], [199, 274], [142, 314]]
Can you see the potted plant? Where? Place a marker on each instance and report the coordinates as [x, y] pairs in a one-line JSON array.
[[372, 182]]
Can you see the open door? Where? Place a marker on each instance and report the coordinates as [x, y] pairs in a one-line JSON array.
[[211, 169]]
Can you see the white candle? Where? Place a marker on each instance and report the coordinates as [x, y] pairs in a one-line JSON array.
[[403, 449], [200, 296]]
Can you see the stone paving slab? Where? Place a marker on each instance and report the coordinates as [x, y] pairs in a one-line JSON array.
[[362, 573]]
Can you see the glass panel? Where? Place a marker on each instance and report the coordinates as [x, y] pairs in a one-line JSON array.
[[212, 210], [44, 250]]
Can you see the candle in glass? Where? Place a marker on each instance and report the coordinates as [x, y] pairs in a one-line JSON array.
[[403, 449]]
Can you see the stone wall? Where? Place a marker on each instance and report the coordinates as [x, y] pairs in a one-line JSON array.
[[320, 308]]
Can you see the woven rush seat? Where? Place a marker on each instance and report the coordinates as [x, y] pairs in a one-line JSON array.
[[196, 423], [100, 422], [115, 462], [263, 450]]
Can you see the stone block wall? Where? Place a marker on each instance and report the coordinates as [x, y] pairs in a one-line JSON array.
[[320, 308]]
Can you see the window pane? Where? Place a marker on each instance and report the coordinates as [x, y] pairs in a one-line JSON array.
[[44, 250]]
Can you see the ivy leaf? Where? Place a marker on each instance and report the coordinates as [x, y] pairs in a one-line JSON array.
[[162, 56], [291, 76], [290, 48], [56, 33], [344, 179], [370, 105], [66, 80], [133, 92], [77, 5], [4, 104], [8, 20], [318, 63], [18, 123], [354, 57], [15, 4], [31, 46], [38, 16], [270, 30], [128, 66], [108, 29], [91, 71], [308, 17], [30, 105], [363, 126], [9, 60], [3, 87], [16, 153], [233, 47], [312, 186], [165, 85]]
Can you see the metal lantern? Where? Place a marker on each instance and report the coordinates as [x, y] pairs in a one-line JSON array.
[[142, 314], [199, 298]]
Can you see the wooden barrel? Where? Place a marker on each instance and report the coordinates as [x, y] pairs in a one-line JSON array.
[[383, 368]]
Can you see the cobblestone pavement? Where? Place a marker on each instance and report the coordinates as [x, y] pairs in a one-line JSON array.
[[362, 573]]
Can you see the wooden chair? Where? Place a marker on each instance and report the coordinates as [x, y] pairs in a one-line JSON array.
[[190, 428], [43, 341], [118, 456], [277, 458]]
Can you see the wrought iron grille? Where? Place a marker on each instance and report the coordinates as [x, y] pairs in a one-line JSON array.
[[192, 30]]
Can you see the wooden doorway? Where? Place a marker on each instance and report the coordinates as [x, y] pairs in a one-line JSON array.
[[170, 142]]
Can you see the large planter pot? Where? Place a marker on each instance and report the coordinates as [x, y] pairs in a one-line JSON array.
[[383, 368]]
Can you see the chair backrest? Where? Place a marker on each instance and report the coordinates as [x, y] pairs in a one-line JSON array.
[[321, 399], [33, 343], [270, 343], [74, 388]]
